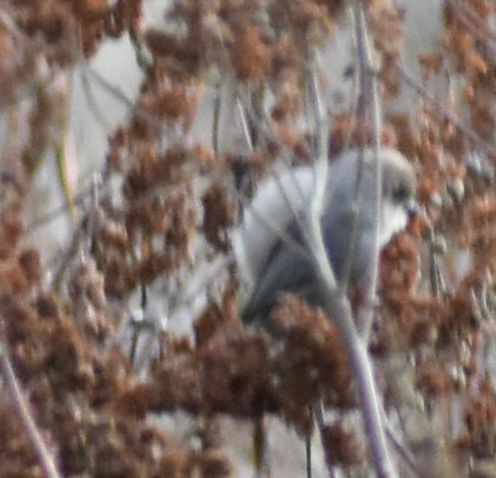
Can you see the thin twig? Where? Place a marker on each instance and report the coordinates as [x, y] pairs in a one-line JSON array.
[[372, 95], [216, 117], [321, 425], [266, 221], [122, 97], [287, 200], [91, 100], [435, 274], [255, 114], [57, 211], [359, 106], [263, 126], [113, 89], [261, 445], [67, 256], [445, 113], [282, 235], [139, 51], [158, 189], [136, 333], [61, 150], [355, 95], [20, 402], [83, 234], [403, 452], [244, 124], [321, 147], [308, 455], [482, 31], [291, 170]]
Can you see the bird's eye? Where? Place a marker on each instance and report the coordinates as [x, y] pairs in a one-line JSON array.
[[400, 193]]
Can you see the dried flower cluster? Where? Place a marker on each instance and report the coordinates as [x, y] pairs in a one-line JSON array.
[[175, 205]]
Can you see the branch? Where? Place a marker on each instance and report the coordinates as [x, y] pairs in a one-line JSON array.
[[321, 424], [336, 304], [216, 118], [358, 109], [446, 114], [244, 124], [21, 404], [371, 98], [472, 22]]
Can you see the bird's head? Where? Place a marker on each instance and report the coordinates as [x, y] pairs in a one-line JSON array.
[[398, 194]]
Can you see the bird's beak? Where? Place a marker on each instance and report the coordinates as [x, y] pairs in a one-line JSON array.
[[413, 208]]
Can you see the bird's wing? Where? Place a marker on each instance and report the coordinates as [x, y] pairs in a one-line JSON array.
[[286, 271], [269, 215]]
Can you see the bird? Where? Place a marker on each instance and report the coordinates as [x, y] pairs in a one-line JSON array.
[[278, 268]]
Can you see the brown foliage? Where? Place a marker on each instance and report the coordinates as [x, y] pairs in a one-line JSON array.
[[66, 347]]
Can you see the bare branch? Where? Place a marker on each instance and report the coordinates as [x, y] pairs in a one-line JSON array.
[[371, 96], [93, 105], [216, 118], [336, 304], [444, 113], [21, 404], [319, 418], [280, 234], [244, 123]]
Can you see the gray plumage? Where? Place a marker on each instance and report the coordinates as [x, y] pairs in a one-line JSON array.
[[285, 270]]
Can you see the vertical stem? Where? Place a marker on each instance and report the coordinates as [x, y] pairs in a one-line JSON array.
[[370, 108], [19, 401], [336, 304], [216, 118], [319, 418]]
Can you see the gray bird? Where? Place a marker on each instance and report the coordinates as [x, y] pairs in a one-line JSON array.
[[283, 268]]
